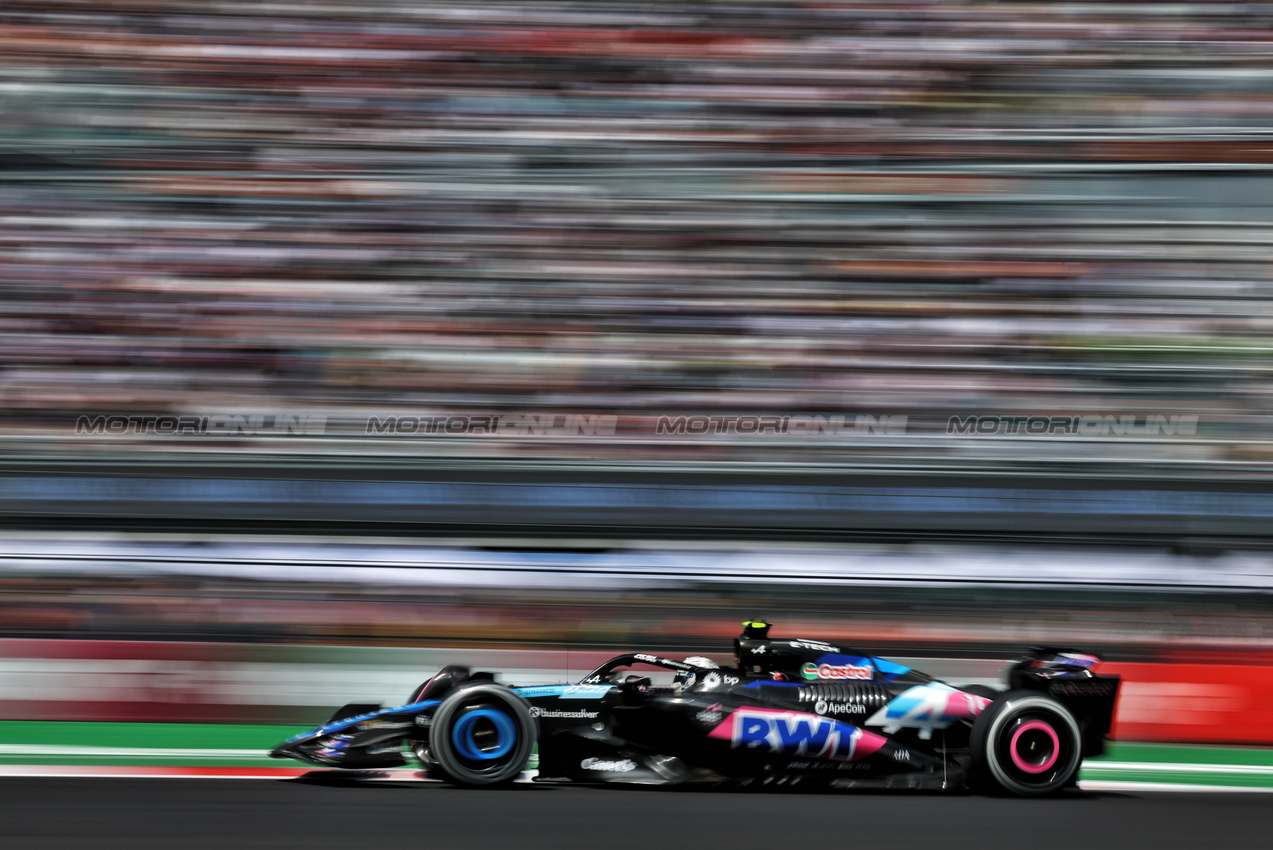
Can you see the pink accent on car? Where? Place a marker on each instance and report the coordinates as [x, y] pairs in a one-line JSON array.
[[1021, 763], [867, 743], [724, 730], [962, 706]]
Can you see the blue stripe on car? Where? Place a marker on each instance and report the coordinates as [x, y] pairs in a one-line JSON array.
[[359, 718], [565, 691]]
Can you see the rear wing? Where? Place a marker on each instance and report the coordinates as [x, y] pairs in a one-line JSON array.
[[1068, 676]]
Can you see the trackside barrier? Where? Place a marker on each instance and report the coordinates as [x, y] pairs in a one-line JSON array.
[[191, 682], [1194, 703], [262, 683]]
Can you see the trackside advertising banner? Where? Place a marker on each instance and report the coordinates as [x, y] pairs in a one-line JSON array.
[[241, 683], [1194, 703], [188, 682]]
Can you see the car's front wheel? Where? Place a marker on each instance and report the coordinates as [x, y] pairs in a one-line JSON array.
[[1027, 743], [482, 735]]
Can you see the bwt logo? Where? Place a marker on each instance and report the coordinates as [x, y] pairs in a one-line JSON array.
[[796, 733]]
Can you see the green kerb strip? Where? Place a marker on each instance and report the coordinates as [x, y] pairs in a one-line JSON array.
[[172, 744], [1125, 751], [1248, 767]]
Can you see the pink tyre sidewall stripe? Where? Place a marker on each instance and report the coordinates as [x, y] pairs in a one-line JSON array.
[[1029, 726]]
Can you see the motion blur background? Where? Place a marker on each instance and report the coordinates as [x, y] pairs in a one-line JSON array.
[[449, 329]]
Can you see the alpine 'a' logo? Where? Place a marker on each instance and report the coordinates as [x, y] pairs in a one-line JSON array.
[[927, 707], [796, 733]]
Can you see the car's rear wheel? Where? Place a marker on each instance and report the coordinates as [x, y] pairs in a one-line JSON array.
[[1027, 743], [482, 735], [980, 691]]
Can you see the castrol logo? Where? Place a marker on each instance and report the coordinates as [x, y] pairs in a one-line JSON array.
[[832, 671]]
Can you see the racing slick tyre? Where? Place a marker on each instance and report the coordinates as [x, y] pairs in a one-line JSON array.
[[1026, 743], [482, 735], [429, 767], [981, 691]]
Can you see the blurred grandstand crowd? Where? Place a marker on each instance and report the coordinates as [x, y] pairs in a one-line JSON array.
[[1129, 625], [640, 208]]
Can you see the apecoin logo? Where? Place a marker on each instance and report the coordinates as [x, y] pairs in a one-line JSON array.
[[824, 707]]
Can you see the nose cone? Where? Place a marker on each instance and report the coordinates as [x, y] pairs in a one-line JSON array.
[[291, 748]]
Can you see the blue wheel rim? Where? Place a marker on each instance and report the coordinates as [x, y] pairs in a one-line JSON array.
[[463, 735]]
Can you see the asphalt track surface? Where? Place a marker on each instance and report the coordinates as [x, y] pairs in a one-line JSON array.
[[44, 813]]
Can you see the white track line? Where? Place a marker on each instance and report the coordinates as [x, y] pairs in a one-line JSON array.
[[60, 751], [411, 775], [65, 751], [1180, 767], [1119, 785], [159, 772]]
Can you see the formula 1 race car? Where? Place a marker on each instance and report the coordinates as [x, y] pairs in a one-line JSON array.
[[789, 711]]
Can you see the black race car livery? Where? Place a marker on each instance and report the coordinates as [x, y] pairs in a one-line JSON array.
[[790, 711]]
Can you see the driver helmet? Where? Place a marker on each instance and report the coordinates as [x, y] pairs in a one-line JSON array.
[[686, 678]]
